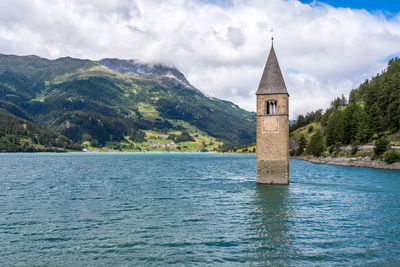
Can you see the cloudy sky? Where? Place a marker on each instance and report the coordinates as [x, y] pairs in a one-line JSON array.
[[220, 45]]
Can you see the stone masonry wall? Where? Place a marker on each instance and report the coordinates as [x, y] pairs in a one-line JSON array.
[[273, 147]]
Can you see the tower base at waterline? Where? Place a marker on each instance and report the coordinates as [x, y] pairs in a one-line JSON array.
[[273, 172]]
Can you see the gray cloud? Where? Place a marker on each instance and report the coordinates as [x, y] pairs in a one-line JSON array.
[[222, 48], [235, 36]]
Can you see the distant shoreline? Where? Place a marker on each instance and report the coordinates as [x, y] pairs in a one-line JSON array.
[[363, 162], [107, 151]]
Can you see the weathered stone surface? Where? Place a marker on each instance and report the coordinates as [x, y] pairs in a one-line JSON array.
[[273, 172], [273, 147]]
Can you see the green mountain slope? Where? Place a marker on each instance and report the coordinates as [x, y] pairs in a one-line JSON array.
[[371, 115], [19, 135], [114, 100]]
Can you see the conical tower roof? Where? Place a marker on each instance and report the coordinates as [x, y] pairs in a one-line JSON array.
[[272, 80]]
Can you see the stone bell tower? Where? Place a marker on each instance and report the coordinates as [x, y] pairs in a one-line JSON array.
[[272, 125]]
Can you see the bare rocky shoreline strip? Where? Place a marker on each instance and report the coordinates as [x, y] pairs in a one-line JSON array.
[[364, 162]]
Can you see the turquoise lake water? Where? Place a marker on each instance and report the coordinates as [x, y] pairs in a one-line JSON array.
[[157, 209]]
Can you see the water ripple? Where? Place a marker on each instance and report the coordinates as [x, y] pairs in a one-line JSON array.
[[152, 209]]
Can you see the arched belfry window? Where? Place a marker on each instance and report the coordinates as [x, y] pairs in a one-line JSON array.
[[272, 107]]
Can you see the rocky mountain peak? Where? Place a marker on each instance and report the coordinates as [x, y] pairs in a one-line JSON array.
[[134, 67]]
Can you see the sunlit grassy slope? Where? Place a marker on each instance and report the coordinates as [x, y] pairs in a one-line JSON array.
[[103, 109]]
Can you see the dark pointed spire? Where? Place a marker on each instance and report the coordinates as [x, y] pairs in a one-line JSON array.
[[272, 80]]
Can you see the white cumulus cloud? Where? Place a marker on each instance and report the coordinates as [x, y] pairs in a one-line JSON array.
[[221, 47]]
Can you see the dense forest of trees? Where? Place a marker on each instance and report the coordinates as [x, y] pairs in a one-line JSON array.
[[19, 135], [372, 113]]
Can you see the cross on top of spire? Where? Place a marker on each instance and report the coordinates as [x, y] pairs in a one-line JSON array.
[[272, 36]]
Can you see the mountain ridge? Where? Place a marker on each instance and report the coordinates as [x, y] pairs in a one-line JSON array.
[[128, 97]]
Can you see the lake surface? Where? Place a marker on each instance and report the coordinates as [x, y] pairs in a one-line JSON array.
[[157, 209]]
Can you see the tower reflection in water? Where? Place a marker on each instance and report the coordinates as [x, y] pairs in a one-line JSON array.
[[270, 225]]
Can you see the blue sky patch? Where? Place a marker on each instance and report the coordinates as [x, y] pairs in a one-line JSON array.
[[387, 7]]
